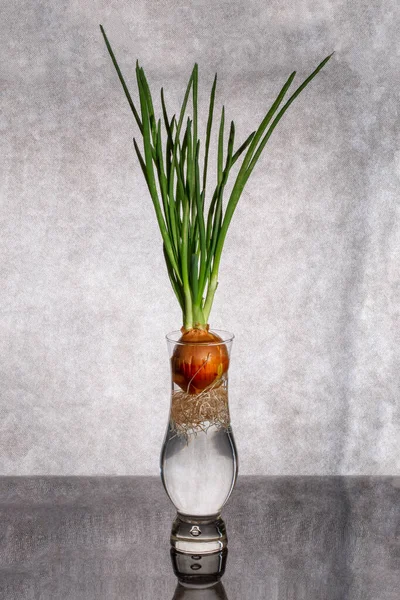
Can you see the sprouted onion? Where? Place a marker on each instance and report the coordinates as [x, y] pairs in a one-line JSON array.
[[193, 235]]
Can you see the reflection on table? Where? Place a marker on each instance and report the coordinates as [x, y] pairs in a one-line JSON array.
[[199, 575], [107, 538]]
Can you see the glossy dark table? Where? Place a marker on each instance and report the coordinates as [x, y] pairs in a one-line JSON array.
[[290, 538]]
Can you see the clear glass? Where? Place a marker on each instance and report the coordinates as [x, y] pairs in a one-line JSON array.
[[199, 462]]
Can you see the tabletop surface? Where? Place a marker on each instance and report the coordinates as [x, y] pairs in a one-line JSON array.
[[290, 538]]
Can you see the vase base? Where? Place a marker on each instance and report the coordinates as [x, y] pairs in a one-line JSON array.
[[198, 536]]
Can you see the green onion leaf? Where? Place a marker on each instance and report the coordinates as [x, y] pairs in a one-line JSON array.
[[122, 80], [192, 244]]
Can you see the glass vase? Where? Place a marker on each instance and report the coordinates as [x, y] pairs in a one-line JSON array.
[[199, 463]]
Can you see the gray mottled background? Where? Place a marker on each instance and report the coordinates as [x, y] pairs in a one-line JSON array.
[[309, 280]]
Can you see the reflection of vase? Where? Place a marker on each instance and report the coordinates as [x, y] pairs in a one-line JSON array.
[[213, 591], [199, 458], [199, 575]]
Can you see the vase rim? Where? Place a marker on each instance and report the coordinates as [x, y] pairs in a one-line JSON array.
[[226, 336]]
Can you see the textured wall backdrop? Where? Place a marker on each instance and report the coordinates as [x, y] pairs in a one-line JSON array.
[[309, 280]]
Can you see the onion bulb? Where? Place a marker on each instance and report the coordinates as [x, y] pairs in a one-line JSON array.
[[199, 361]]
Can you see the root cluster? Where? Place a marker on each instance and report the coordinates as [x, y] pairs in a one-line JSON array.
[[192, 413]]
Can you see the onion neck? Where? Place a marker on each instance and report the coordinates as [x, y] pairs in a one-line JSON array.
[[194, 318]]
